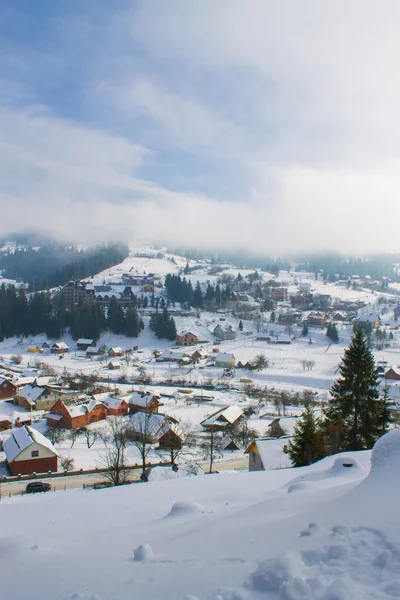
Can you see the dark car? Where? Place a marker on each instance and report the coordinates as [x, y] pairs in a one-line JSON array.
[[37, 486]]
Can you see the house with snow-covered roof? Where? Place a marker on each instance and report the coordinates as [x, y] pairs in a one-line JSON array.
[[116, 351], [149, 426], [28, 451], [393, 373], [75, 416], [7, 388], [222, 418], [37, 397], [224, 332], [224, 360], [143, 402], [59, 348], [186, 338], [267, 454]]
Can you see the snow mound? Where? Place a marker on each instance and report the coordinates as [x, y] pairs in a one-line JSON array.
[[186, 507], [143, 552], [226, 594], [344, 462], [302, 486], [386, 455], [354, 564]]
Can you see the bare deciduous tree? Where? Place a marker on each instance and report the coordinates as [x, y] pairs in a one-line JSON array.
[[16, 359], [142, 431], [211, 447], [241, 433], [91, 436], [114, 460], [179, 439], [67, 463], [73, 435], [55, 434]]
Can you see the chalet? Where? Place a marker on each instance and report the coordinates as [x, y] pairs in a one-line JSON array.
[[143, 403], [116, 351], [186, 338], [59, 348], [72, 417], [46, 345], [92, 351], [316, 319], [393, 373], [224, 332], [224, 360], [147, 288], [301, 301], [339, 316], [222, 418], [280, 294], [170, 438], [7, 389], [116, 406], [35, 397], [114, 365], [28, 451], [199, 354], [150, 427], [290, 317], [5, 424], [267, 454], [374, 319], [83, 344], [227, 444]]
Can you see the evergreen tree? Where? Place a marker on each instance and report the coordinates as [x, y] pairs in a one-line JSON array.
[[332, 333], [272, 317], [240, 325], [116, 317], [197, 301], [307, 445], [356, 417], [132, 323], [304, 331]]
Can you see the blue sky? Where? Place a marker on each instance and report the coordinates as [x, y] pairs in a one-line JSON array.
[[269, 125]]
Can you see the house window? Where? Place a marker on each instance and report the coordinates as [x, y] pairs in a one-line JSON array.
[[76, 421], [35, 453]]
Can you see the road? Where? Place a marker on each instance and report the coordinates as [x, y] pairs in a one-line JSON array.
[[60, 483]]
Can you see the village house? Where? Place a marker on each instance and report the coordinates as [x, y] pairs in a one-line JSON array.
[[59, 348], [5, 424], [223, 417], [150, 426], [199, 354], [116, 352], [316, 319], [114, 365], [115, 406], [73, 417], [224, 360], [301, 301], [36, 397], [290, 317], [393, 373], [224, 332], [143, 402], [34, 350], [280, 294], [267, 454], [28, 451], [83, 344], [7, 389], [186, 338], [169, 438], [171, 356], [374, 319]]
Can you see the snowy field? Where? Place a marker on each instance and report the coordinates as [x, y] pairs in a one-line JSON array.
[[316, 533]]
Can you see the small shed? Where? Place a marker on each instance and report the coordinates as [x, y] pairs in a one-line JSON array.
[[116, 351], [114, 365]]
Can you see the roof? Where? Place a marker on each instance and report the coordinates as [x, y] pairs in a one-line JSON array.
[[85, 341], [113, 403], [229, 415], [23, 437], [116, 349], [224, 357], [4, 379], [154, 423], [271, 453], [395, 369], [140, 400], [31, 394], [182, 333], [60, 346]]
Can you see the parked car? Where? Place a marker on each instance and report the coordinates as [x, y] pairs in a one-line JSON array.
[[37, 486]]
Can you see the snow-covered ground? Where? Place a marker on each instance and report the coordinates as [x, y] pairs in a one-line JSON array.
[[325, 532]]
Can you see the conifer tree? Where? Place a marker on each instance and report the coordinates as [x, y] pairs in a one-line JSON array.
[[355, 404], [332, 333], [307, 445], [240, 325]]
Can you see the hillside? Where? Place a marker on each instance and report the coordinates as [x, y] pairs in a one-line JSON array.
[[317, 532]]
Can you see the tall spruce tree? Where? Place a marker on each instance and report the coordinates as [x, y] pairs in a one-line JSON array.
[[307, 445], [356, 416]]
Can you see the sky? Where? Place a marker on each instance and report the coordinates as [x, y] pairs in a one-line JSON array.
[[267, 125]]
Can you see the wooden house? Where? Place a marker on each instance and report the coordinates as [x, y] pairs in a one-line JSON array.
[[84, 344], [28, 451], [143, 402], [186, 338], [226, 361], [7, 389], [5, 424], [393, 373], [116, 352], [59, 348], [222, 418], [114, 365]]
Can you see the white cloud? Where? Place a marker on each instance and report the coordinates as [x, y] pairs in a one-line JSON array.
[[301, 99]]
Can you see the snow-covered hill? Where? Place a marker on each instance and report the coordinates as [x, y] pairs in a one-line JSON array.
[[326, 532]]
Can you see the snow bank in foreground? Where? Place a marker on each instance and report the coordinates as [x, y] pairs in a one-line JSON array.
[[143, 552], [352, 564]]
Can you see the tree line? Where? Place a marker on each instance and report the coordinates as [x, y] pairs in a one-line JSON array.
[[181, 290], [26, 315], [357, 414], [52, 265]]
